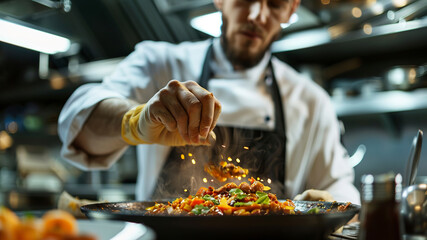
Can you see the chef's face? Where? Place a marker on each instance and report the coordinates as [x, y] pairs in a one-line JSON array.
[[250, 26]]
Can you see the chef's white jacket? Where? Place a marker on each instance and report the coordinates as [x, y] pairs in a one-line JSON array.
[[315, 157]]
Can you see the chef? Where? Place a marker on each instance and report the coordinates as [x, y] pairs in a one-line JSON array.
[[185, 106]]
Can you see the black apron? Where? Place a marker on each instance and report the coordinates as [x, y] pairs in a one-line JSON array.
[[262, 152]]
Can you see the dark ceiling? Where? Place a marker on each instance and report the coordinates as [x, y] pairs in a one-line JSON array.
[[111, 28], [103, 28]]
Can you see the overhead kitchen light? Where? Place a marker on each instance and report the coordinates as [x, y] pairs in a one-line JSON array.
[[208, 23], [33, 39], [211, 23]]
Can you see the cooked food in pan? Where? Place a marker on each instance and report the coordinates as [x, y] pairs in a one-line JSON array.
[[54, 225], [229, 199]]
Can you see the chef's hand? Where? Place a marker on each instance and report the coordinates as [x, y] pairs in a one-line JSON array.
[[179, 114], [320, 195], [314, 195]]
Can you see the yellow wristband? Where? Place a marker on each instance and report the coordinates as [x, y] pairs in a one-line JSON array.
[[130, 126]]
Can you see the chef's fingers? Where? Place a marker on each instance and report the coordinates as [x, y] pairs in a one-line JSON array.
[[170, 112], [212, 137], [207, 109], [298, 197], [314, 195], [217, 112], [192, 109]]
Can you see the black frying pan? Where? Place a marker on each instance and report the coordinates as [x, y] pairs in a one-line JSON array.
[[299, 226]]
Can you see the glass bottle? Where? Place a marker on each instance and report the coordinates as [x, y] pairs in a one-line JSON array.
[[379, 216]]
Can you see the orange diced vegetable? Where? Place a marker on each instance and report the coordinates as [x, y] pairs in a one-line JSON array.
[[201, 191], [196, 201]]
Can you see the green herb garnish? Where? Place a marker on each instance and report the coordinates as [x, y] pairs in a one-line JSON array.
[[262, 198], [238, 192], [200, 209], [208, 197], [314, 210], [241, 204]]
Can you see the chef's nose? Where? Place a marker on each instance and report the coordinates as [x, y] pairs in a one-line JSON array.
[[259, 11]]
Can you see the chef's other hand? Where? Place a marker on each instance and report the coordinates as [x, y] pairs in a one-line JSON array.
[[314, 195], [181, 113]]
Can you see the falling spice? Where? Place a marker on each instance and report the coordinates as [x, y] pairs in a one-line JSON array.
[[225, 171]]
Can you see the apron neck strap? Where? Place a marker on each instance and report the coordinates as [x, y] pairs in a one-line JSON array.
[[207, 74]]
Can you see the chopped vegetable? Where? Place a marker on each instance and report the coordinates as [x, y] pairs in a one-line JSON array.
[[200, 209], [196, 201], [208, 197], [314, 210], [238, 192], [262, 198], [229, 199], [241, 204]]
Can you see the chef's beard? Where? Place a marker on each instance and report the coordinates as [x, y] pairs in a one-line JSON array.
[[238, 58]]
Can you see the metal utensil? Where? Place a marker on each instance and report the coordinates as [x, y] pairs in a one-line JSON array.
[[414, 157], [414, 209]]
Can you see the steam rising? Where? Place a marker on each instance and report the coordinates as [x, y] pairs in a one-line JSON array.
[[258, 151]]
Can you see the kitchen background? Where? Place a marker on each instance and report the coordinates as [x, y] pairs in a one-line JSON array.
[[369, 55]]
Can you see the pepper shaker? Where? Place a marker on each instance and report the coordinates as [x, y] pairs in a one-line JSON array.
[[379, 218]]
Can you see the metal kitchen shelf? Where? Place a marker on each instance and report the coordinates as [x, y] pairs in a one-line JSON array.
[[381, 102], [318, 45]]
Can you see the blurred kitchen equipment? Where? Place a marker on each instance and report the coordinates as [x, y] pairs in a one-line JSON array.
[[358, 155], [21, 199], [421, 179], [405, 77], [356, 87], [414, 158], [414, 197], [379, 218], [38, 169], [414, 211]]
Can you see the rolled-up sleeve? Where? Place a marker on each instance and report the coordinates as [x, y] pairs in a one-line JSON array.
[[71, 120], [136, 77]]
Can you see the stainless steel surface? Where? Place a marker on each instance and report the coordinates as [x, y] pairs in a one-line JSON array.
[[414, 237], [414, 158], [414, 209], [421, 179], [381, 102]]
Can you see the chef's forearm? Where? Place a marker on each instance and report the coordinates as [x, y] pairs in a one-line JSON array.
[[101, 134]]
